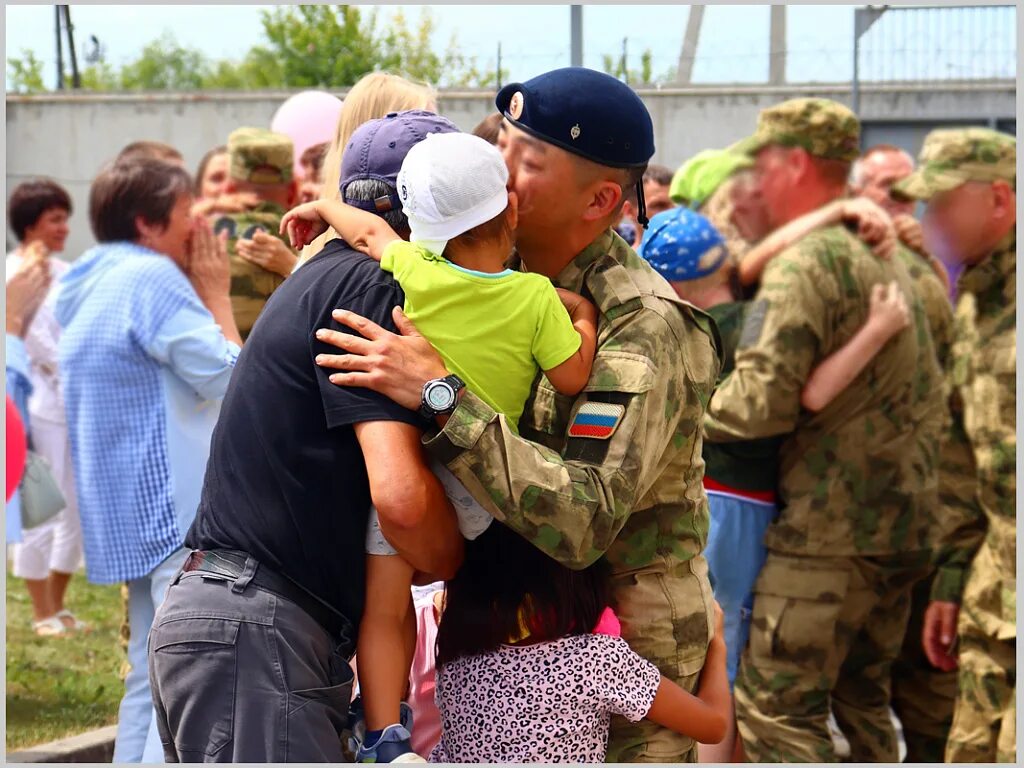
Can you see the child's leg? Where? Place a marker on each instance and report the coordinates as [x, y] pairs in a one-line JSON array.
[[387, 636]]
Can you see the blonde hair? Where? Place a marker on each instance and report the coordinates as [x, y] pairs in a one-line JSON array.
[[374, 96]]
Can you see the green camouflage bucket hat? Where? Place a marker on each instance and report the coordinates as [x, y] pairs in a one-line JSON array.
[[953, 156], [823, 127]]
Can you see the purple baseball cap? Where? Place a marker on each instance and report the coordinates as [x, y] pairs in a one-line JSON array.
[[378, 148]]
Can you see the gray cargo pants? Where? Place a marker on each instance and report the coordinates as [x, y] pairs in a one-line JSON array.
[[245, 676]]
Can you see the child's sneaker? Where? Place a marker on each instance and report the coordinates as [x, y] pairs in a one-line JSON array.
[[393, 745]]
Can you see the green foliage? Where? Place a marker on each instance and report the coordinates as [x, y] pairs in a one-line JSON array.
[[304, 46], [26, 73], [165, 66], [613, 65]]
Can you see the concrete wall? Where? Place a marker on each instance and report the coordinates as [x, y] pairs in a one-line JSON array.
[[69, 137]]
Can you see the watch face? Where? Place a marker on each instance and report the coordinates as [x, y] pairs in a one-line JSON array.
[[440, 396]]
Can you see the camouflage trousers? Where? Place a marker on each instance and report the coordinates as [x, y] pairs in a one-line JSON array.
[[824, 635], [985, 720], [668, 618], [922, 696]]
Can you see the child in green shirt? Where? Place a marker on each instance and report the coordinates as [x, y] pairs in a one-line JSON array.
[[495, 328]]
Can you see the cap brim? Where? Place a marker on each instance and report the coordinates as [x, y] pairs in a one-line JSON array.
[[749, 146], [924, 185]]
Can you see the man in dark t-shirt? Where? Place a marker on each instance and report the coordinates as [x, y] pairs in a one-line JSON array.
[[249, 651]]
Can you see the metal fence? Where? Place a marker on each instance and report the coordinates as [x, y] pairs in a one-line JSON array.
[[926, 44]]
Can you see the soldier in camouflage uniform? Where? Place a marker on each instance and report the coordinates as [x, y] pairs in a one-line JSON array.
[[969, 178], [632, 491], [857, 479], [260, 162]]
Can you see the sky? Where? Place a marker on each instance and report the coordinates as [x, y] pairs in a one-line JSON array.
[[733, 47]]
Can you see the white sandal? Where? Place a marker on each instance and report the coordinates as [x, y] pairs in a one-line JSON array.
[[76, 624], [51, 627]]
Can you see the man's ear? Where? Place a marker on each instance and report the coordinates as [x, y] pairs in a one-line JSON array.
[[144, 230], [604, 199], [629, 210], [1004, 200], [512, 212]]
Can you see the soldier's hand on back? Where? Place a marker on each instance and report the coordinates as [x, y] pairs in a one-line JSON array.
[[873, 224], [267, 251], [910, 232], [235, 202], [939, 634], [208, 268]]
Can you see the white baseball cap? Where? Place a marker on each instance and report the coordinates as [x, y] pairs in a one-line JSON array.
[[448, 184]]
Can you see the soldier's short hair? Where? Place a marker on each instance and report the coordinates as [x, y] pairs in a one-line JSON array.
[[31, 199], [124, 191], [155, 150], [368, 190]]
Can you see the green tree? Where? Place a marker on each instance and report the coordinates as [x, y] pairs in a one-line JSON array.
[[613, 65], [26, 73], [321, 45], [164, 65]]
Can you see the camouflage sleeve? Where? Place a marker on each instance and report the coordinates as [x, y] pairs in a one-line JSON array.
[[779, 344], [572, 504], [962, 521]]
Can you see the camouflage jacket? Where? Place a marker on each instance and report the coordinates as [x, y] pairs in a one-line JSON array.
[[251, 285], [979, 481], [636, 495], [859, 477], [935, 299]]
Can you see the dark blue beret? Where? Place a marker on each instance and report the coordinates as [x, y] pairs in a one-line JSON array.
[[585, 112]]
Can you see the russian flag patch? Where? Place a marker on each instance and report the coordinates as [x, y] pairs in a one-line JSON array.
[[596, 420]]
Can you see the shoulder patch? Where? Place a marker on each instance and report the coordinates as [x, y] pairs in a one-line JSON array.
[[753, 324], [596, 420]]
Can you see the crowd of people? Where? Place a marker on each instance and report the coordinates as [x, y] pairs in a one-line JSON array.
[[513, 447]]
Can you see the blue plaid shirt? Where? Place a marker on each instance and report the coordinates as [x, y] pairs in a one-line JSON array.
[[144, 369]]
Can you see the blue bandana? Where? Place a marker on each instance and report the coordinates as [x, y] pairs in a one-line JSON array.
[[676, 243]]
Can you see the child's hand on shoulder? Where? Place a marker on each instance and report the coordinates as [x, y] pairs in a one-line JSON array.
[[303, 224], [577, 306], [889, 313]]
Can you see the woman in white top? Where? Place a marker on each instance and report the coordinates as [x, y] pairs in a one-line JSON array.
[[38, 213]]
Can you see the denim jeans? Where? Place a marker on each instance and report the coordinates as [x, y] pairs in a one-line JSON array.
[[137, 740]]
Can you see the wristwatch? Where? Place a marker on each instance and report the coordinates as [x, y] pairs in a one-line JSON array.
[[440, 396]]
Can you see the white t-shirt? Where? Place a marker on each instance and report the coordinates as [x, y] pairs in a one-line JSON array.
[[544, 703], [47, 400]]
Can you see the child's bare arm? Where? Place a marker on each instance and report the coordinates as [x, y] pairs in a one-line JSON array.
[[570, 377], [874, 227], [364, 231], [704, 717], [889, 315]]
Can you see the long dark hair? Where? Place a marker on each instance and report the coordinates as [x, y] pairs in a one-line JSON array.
[[502, 573]]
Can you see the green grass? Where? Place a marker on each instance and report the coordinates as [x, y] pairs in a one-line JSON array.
[[62, 686]]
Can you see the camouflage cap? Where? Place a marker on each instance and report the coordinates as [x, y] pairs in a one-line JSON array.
[[260, 156], [823, 127], [953, 156]]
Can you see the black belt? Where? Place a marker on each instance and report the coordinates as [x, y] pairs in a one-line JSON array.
[[232, 563]]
